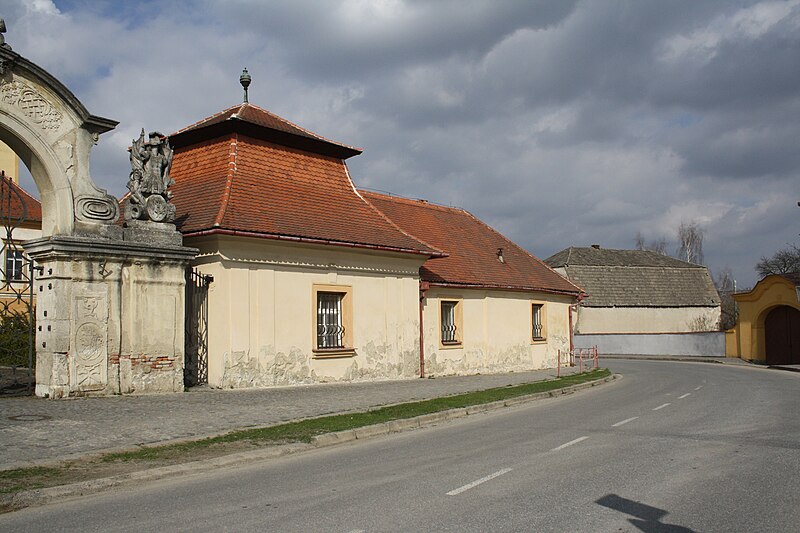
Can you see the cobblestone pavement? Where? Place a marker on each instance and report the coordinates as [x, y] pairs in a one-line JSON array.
[[38, 431]]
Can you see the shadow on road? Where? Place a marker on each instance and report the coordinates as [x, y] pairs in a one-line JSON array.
[[647, 518]]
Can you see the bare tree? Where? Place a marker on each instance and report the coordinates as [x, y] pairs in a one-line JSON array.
[[690, 235], [658, 245], [783, 261], [726, 286]]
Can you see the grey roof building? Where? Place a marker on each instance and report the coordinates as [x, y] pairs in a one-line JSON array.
[[635, 278]]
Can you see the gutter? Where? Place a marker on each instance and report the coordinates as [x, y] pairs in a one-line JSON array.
[[311, 240], [573, 294]]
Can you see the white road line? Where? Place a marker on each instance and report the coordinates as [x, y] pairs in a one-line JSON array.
[[698, 388], [684, 396], [663, 405], [570, 443], [356, 531], [478, 482], [631, 419]]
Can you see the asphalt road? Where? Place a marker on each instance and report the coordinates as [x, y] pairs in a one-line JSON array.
[[670, 447]]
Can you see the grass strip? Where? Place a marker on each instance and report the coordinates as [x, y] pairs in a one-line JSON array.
[[21, 479], [305, 430]]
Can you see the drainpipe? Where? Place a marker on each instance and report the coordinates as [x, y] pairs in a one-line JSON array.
[[574, 307], [423, 288], [571, 344]]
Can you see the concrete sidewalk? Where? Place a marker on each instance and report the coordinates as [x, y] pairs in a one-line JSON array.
[[35, 431]]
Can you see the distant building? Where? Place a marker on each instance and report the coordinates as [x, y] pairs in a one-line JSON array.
[[768, 327], [640, 301]]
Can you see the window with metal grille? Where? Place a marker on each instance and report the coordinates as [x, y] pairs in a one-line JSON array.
[[330, 329], [449, 322], [538, 329], [14, 265]]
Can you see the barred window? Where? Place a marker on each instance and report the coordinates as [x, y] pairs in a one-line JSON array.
[[330, 327], [449, 327], [537, 321]]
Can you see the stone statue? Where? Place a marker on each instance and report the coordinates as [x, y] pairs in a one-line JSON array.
[[149, 179], [3, 42]]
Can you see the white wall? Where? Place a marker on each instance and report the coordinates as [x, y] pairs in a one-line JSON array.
[[646, 319]]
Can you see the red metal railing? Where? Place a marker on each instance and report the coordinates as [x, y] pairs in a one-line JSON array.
[[584, 358]]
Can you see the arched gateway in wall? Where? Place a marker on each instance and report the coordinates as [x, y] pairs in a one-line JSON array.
[[109, 311], [782, 336]]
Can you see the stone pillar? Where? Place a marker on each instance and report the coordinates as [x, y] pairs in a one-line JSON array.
[[110, 313]]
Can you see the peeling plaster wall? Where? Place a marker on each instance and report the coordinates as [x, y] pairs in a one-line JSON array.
[[496, 332], [262, 317]]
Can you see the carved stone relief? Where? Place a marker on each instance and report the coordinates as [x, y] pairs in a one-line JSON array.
[[89, 355], [32, 104]]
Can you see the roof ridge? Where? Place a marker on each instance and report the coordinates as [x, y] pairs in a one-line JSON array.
[[206, 119], [385, 217], [226, 194], [416, 201], [526, 252]]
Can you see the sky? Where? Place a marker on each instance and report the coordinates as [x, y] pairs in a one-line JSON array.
[[559, 123]]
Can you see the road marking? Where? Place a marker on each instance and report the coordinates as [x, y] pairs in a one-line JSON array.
[[663, 405], [356, 531], [631, 419], [478, 482], [698, 388], [570, 443], [684, 396]]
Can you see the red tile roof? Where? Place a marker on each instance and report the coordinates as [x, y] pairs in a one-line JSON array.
[[237, 183], [19, 204], [260, 123], [472, 248]]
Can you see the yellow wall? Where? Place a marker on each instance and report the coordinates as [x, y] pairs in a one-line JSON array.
[[262, 313], [747, 340], [496, 334], [9, 162]]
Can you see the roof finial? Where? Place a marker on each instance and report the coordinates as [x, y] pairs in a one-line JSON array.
[[245, 79]]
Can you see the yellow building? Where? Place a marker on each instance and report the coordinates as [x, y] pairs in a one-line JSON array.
[[768, 328], [315, 281]]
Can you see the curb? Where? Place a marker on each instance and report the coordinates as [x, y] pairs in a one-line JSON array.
[[44, 496]]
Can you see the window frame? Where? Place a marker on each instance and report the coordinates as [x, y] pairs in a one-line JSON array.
[[346, 321], [457, 322], [17, 262], [542, 307]]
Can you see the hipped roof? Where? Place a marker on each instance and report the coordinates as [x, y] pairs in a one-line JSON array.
[[472, 249], [244, 179], [636, 278]]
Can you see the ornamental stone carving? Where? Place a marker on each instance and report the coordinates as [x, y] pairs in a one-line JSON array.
[[149, 179], [32, 104]]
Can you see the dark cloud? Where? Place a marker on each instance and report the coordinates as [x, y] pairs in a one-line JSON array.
[[560, 123]]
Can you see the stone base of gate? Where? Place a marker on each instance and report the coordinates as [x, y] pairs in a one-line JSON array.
[[109, 314]]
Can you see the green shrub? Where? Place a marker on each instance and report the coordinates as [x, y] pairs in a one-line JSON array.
[[14, 343]]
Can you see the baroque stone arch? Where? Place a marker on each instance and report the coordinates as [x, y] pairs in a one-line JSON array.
[[53, 134]]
